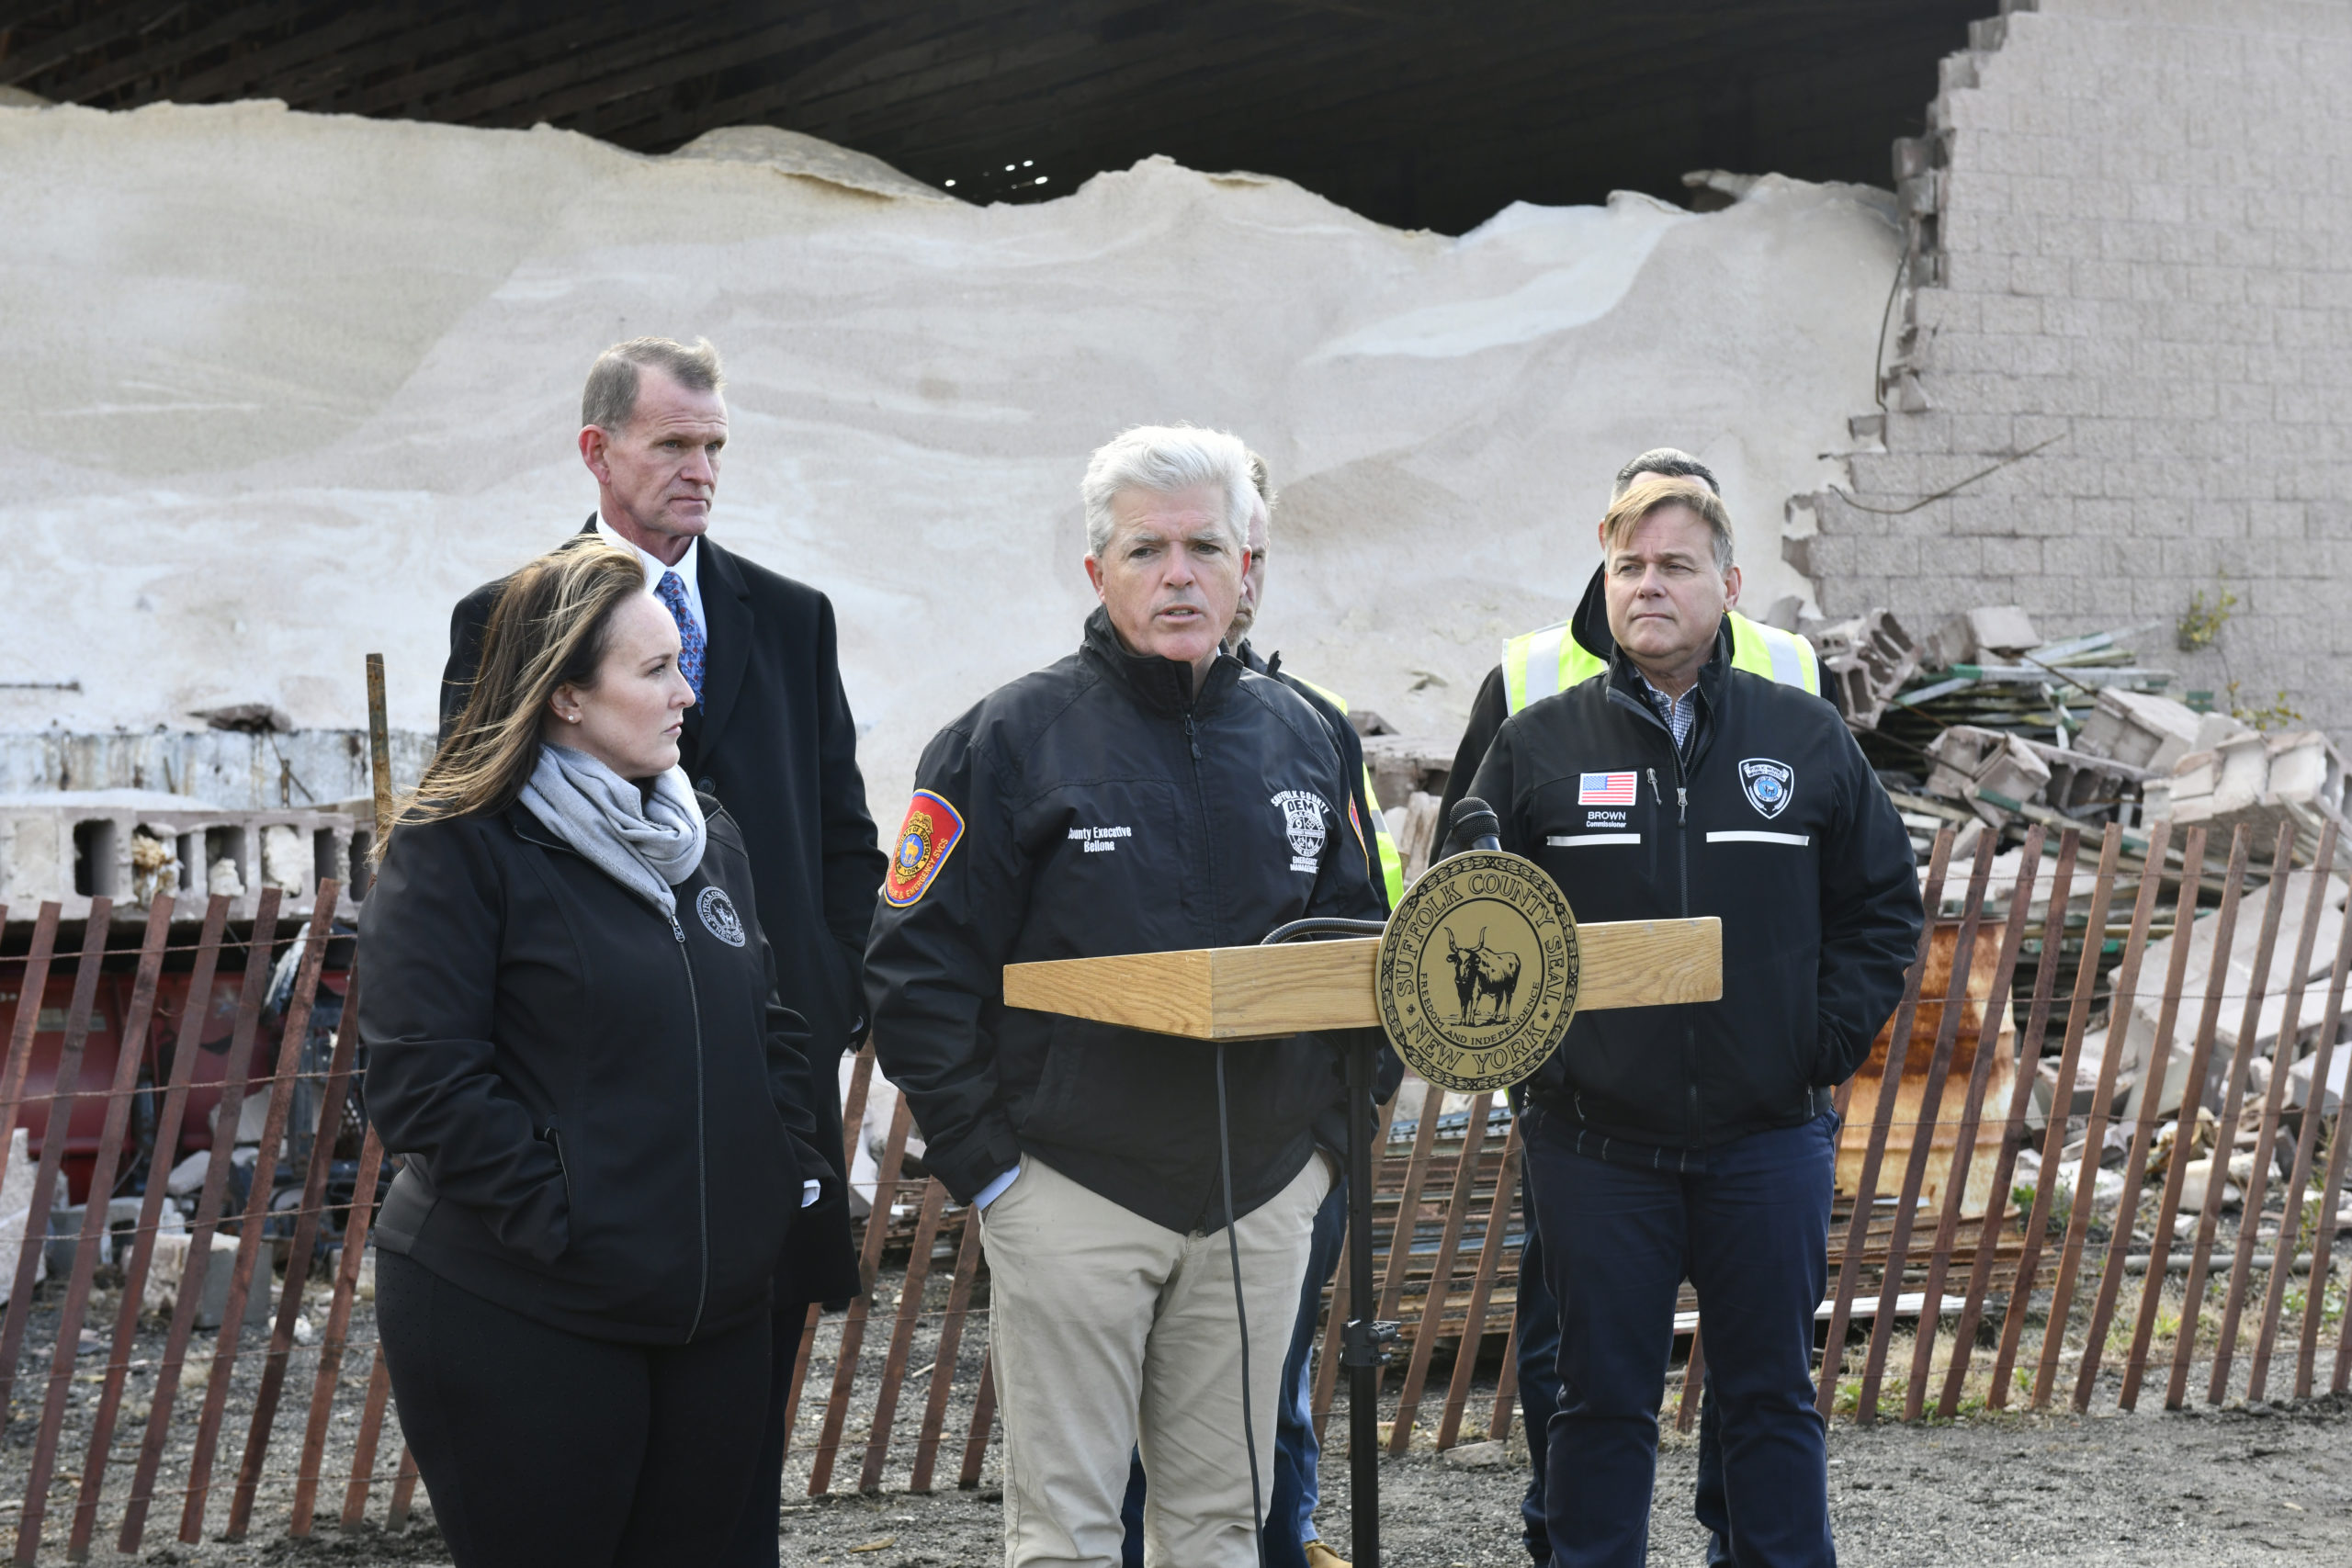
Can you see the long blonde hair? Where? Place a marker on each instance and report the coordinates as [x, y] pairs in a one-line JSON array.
[[549, 628]]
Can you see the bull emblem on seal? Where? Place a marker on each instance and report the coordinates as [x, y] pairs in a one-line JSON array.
[[1480, 974]]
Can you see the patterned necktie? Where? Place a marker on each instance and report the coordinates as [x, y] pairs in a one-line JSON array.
[[671, 591]]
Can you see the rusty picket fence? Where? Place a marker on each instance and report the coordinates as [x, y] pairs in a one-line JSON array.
[[1931, 1226]]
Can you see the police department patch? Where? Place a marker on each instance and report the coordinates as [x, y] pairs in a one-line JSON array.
[[718, 916], [1767, 785], [925, 839]]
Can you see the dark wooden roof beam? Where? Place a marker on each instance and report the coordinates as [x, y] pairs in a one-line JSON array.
[[111, 26], [252, 74]]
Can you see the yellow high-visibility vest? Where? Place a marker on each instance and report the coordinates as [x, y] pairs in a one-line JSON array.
[[1392, 864], [1543, 662]]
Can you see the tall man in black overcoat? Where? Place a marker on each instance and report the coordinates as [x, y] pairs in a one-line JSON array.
[[771, 736]]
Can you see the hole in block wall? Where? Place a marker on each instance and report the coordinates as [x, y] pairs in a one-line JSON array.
[[224, 844], [94, 853], [324, 860], [363, 847]]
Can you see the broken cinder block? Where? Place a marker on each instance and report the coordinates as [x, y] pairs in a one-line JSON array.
[[1864, 662], [1971, 762]]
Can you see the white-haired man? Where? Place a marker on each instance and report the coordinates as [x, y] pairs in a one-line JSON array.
[[1146, 794]]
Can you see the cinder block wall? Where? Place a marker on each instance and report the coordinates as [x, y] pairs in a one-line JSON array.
[[2130, 229]]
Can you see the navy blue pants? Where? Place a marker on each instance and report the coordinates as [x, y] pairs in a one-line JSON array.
[[1749, 1224], [1536, 1347], [1290, 1511]]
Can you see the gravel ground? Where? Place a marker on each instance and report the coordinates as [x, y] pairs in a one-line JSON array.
[[2214, 1488]]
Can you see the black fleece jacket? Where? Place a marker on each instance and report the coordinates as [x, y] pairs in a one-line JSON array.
[[1769, 818], [1101, 808], [604, 1112]]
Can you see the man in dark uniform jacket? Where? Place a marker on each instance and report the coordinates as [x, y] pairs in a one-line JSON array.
[[770, 735]]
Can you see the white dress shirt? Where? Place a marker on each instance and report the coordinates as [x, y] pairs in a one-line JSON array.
[[685, 568]]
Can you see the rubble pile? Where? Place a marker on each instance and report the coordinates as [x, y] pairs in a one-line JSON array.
[[1985, 726]]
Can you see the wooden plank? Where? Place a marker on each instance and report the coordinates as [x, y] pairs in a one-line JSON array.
[[2266, 1133], [32, 984], [1694, 1375], [1441, 1286], [950, 1342], [362, 1447], [2144, 1131], [2201, 1050], [332, 1341], [1238, 993], [853, 1340], [976, 1441], [2119, 1012], [250, 1240], [1964, 1154], [1409, 1203], [2331, 1186], [403, 1490], [902, 1334], [1898, 1046], [55, 1135], [129, 1037], [2053, 1143], [1915, 1172], [2226, 1111], [2282, 1257], [1482, 1285], [1327, 1366], [337, 1091], [2029, 1038], [185, 1052], [233, 1083]]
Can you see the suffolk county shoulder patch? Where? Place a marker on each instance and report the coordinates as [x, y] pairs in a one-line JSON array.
[[925, 839]]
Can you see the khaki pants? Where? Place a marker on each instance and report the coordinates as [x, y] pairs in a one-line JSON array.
[[1110, 1332]]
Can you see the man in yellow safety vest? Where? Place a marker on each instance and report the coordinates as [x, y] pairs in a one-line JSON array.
[[1534, 666]]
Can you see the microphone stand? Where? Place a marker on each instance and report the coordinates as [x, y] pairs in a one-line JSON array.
[[1364, 1341]]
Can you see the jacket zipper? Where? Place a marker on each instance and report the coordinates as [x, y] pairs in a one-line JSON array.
[[1208, 843], [702, 1154], [1682, 880]]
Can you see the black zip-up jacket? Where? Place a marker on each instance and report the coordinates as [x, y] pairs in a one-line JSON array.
[[604, 1109], [1769, 819], [1106, 809]]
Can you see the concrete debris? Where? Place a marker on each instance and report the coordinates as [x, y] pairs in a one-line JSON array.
[[2331, 1094], [134, 846], [2162, 1148], [2002, 629], [1971, 764], [1864, 662], [2149, 731], [1476, 1456], [247, 718], [2264, 781], [15, 1209], [2244, 944], [188, 1176]]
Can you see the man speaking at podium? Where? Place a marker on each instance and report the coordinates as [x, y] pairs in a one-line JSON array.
[[1697, 1140], [1146, 794]]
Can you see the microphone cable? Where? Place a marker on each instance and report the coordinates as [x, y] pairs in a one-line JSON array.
[[1240, 1315]]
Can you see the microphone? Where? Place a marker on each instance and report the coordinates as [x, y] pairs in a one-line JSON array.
[[1474, 825]]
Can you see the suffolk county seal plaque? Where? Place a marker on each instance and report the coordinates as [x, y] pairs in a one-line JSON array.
[[1477, 970]]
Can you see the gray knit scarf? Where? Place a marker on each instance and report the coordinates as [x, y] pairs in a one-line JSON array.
[[645, 843]]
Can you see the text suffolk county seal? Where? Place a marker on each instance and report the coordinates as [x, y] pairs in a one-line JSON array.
[[1477, 970]]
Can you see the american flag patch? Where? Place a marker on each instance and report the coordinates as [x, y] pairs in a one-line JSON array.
[[1604, 789]]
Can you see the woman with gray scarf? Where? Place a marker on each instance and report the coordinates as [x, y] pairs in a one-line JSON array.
[[575, 1049]]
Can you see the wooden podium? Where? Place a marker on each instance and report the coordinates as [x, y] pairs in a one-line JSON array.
[[1244, 993], [1238, 994]]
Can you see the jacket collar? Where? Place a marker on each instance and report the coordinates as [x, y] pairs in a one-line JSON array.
[[1590, 625], [1626, 682], [1161, 686]]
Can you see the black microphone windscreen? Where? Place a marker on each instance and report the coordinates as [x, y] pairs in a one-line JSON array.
[[1475, 824]]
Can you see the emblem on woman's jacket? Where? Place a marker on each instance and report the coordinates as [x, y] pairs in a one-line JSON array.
[[1303, 812], [718, 912]]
